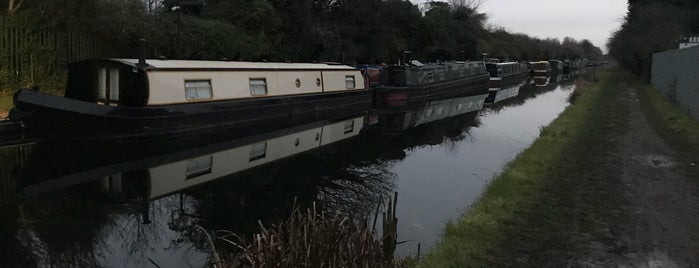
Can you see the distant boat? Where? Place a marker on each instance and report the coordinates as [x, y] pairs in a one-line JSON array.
[[417, 81], [506, 74], [541, 68], [556, 66], [126, 98]]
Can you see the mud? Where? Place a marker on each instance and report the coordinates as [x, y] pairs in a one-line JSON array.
[[661, 222]]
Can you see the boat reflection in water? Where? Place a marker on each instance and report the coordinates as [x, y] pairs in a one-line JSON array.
[[398, 118], [498, 94], [117, 206], [541, 81]]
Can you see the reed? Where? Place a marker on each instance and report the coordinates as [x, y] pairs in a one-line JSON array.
[[312, 238]]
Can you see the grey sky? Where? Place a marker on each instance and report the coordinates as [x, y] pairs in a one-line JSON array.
[[580, 19]]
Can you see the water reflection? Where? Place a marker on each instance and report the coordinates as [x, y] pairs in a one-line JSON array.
[[498, 94], [132, 205], [398, 118], [119, 210]]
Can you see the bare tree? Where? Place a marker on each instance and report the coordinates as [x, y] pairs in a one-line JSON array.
[[13, 6], [472, 4]]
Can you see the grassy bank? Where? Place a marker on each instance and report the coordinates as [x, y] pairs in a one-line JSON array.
[[674, 125], [532, 214]]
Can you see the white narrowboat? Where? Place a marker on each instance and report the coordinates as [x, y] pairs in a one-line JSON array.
[[123, 98]]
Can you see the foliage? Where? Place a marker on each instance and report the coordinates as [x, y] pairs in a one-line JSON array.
[[652, 26], [348, 31], [312, 238]]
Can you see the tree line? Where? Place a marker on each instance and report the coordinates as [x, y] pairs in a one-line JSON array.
[[348, 31], [652, 26]]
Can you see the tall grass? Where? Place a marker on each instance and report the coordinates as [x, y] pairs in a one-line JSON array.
[[312, 238]]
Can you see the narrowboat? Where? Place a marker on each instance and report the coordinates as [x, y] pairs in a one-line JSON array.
[[556, 66], [418, 81], [541, 68], [129, 98], [506, 74]]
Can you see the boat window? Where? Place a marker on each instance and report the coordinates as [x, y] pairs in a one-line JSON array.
[[258, 151], [429, 112], [107, 86], [114, 84], [197, 89], [349, 82], [199, 166], [102, 84], [430, 77], [349, 126], [258, 86]]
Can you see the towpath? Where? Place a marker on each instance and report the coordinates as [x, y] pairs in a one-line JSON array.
[[655, 220]]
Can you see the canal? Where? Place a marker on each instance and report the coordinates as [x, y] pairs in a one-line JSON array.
[[89, 203]]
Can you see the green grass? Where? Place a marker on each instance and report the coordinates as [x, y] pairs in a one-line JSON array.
[[531, 214], [673, 124]]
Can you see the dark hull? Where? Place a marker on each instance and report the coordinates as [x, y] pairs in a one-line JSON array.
[[398, 96], [54, 117]]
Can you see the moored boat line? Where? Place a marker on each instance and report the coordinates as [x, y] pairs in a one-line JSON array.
[[136, 98]]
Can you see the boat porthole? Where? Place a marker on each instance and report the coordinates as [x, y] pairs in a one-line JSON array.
[[317, 81], [317, 136], [297, 142], [298, 83]]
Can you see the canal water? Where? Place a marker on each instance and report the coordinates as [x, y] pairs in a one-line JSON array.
[[90, 203]]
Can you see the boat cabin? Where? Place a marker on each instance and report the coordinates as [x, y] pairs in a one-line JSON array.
[[541, 67], [418, 74], [126, 82], [505, 69]]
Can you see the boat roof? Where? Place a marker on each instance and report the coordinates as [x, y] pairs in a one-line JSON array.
[[227, 65]]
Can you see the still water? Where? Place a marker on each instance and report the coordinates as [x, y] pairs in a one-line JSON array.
[[141, 205]]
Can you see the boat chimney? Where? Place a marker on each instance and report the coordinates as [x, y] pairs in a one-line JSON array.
[[141, 53], [406, 57]]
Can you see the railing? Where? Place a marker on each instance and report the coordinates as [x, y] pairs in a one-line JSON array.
[[36, 57]]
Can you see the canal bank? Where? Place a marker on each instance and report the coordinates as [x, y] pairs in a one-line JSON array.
[[598, 188]]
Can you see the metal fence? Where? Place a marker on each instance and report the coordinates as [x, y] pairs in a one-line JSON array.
[[30, 56], [675, 74]]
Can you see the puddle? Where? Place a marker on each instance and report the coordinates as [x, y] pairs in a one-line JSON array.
[[653, 160]]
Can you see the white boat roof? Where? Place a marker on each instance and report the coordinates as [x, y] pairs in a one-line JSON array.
[[201, 64]]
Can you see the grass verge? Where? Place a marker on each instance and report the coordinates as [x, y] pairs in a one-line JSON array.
[[545, 204], [673, 124]]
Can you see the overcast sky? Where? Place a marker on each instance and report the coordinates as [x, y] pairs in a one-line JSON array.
[[580, 19]]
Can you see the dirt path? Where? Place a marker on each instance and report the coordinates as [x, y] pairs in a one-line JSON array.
[[662, 207]]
